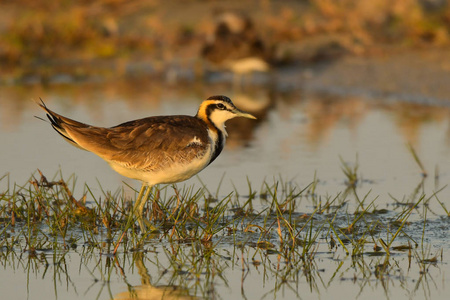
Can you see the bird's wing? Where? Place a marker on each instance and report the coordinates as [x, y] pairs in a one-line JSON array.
[[145, 144]]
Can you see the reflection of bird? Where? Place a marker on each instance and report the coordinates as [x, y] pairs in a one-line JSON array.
[[258, 104], [147, 291], [236, 45], [161, 149]]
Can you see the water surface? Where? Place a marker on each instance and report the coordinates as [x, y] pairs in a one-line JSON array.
[[300, 136]]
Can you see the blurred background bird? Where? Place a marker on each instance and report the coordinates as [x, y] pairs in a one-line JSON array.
[[236, 46]]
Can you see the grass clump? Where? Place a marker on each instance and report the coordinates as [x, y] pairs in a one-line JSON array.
[[284, 230]]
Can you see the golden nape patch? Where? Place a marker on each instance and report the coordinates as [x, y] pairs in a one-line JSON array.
[[202, 109]]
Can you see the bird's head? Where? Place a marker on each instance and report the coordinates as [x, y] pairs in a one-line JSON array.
[[218, 109]]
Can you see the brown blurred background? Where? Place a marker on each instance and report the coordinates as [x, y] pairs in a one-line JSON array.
[[111, 38]]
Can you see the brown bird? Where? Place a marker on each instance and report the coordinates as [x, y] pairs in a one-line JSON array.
[[236, 46], [154, 150]]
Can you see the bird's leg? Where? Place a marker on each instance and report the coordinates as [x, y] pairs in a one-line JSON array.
[[139, 208], [141, 193], [136, 206], [139, 198]]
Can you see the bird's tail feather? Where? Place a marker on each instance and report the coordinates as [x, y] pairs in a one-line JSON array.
[[61, 123]]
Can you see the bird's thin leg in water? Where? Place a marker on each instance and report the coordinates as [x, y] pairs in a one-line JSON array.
[[141, 193], [136, 204], [139, 208]]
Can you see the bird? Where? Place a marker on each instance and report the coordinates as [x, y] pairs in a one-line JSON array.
[[235, 45], [158, 149]]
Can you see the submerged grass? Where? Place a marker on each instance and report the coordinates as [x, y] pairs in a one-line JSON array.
[[198, 236]]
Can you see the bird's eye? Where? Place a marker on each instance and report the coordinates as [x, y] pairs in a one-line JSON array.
[[221, 106]]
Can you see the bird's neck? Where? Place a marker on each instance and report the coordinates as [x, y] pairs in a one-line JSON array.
[[218, 125], [218, 140], [217, 135]]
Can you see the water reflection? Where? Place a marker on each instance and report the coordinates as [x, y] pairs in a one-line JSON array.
[[411, 118], [146, 291], [326, 112], [241, 131], [246, 271]]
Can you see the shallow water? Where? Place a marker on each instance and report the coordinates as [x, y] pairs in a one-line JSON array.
[[300, 135]]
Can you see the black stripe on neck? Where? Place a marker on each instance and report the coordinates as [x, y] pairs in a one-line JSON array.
[[220, 142], [218, 146]]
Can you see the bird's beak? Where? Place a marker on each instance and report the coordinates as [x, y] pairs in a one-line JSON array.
[[241, 113]]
